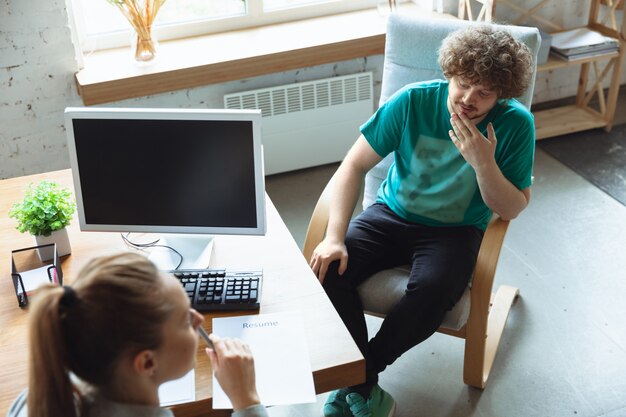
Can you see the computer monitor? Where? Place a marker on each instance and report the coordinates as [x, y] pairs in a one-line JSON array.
[[173, 171]]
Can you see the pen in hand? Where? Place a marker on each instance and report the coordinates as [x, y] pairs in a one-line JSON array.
[[205, 336]]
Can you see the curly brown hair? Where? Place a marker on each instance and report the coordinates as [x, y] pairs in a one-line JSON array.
[[488, 56]]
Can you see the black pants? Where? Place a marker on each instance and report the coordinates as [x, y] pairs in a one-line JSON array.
[[442, 259]]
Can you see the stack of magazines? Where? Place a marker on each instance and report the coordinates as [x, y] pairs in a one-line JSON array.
[[581, 43]]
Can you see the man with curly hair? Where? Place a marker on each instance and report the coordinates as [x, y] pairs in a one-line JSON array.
[[464, 148]]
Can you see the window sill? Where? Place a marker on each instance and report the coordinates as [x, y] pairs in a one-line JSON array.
[[112, 75]]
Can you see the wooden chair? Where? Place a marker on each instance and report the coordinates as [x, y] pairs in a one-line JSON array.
[[479, 316], [487, 10]]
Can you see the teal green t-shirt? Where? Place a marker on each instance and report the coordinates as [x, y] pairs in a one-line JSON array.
[[430, 182]]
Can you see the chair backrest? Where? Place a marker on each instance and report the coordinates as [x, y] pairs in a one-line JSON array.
[[411, 52]]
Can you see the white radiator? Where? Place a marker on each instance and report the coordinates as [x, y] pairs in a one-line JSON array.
[[309, 123]]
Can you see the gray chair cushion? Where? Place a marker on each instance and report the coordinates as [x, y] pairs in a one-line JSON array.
[[411, 52], [384, 289]]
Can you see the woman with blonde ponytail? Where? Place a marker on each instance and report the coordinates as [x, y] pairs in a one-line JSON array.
[[104, 346]]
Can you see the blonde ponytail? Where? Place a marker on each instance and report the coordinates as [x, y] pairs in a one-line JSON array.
[[50, 391], [116, 305]]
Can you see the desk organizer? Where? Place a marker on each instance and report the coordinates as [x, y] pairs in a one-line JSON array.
[[28, 271]]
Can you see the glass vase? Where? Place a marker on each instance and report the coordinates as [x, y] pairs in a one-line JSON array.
[[386, 7], [144, 47]]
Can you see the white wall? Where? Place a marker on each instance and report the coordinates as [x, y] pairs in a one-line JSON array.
[[561, 83], [550, 85], [36, 82], [37, 67]]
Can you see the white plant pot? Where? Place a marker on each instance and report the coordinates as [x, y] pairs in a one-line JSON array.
[[62, 241]]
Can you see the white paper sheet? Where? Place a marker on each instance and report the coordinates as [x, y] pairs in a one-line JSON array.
[[33, 279], [281, 357], [178, 391], [576, 38]]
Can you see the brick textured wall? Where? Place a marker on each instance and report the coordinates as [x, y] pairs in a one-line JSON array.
[[37, 66]]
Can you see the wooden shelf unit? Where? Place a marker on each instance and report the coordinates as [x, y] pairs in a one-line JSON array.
[[554, 63], [603, 18], [566, 119]]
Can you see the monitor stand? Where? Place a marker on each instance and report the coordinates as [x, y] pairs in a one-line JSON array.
[[195, 249]]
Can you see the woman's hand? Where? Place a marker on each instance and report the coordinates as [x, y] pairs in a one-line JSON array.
[[233, 366]]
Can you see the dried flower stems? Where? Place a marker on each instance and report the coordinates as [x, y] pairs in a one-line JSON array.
[[141, 15]]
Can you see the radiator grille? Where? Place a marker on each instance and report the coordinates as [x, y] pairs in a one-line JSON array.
[[309, 123], [304, 96]]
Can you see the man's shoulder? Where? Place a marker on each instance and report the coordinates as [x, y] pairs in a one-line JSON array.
[[512, 111], [432, 85], [421, 90]]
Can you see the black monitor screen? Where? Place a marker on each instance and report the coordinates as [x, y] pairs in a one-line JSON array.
[[174, 172]]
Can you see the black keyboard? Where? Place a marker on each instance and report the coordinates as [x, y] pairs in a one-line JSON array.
[[221, 289]]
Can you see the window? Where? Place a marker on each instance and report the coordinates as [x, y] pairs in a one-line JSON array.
[[100, 25]]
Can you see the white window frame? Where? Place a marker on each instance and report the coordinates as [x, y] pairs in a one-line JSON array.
[[254, 17]]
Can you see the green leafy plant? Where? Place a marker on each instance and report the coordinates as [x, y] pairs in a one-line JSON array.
[[46, 207]]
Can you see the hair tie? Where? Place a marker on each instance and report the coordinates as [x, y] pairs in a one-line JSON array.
[[69, 297]]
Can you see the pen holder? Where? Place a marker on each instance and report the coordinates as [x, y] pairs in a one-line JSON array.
[[28, 271]]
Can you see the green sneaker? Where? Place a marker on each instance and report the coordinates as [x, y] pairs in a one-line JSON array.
[[358, 406], [379, 404], [336, 405]]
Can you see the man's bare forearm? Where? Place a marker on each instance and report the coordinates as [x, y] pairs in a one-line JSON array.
[[348, 182], [500, 194]]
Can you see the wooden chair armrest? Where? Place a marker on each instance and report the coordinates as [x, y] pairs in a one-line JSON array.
[[488, 255], [319, 221], [482, 331]]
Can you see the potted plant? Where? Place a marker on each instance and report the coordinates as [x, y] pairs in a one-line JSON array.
[[44, 213]]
